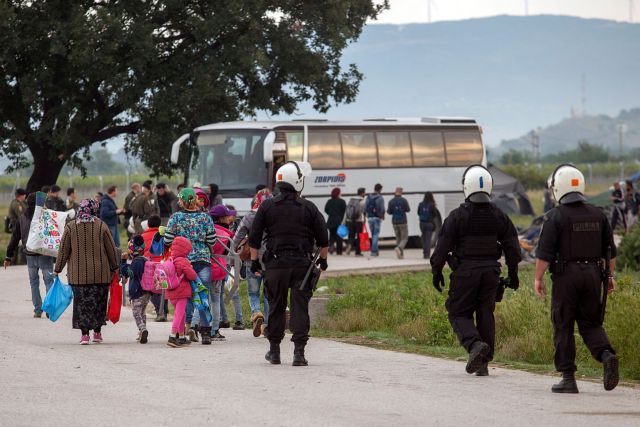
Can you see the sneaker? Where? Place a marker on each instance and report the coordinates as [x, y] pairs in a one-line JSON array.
[[398, 252], [193, 334], [218, 337], [257, 325], [183, 341], [173, 342], [161, 318], [84, 340], [238, 326], [144, 334], [97, 337], [37, 314], [225, 324]]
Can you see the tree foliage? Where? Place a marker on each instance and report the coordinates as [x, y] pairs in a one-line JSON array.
[[583, 153], [77, 73]]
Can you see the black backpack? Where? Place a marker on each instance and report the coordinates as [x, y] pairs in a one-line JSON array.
[[353, 210], [370, 207]]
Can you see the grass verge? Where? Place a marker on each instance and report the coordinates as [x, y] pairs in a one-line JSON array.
[[403, 312]]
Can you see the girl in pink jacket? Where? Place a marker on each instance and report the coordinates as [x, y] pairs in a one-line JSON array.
[[179, 296]]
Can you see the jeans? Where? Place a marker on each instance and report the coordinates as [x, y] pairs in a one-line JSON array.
[[203, 270], [402, 235], [116, 236], [35, 263], [253, 289], [237, 307], [374, 226], [427, 229]]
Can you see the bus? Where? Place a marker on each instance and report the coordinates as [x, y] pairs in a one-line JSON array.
[[419, 155]]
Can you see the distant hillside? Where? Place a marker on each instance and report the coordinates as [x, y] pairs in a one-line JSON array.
[[512, 73], [602, 130]]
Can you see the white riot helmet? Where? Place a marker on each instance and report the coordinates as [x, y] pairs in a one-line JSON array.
[[292, 175], [567, 184], [477, 184]]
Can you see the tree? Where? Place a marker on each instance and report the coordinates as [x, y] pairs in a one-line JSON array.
[[77, 73]]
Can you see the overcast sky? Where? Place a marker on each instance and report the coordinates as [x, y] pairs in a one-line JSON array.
[[409, 11]]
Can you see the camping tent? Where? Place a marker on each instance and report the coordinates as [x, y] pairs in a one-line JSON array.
[[508, 194]]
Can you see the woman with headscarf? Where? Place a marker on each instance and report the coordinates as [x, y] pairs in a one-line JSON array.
[[259, 318], [89, 252], [197, 227], [335, 209]]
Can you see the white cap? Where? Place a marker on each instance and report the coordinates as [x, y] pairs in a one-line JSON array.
[[477, 180], [293, 173], [565, 180]]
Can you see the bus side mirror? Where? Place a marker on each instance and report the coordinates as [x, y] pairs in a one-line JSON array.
[[175, 148], [268, 146]]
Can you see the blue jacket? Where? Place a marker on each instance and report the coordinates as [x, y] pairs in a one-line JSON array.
[[134, 272], [108, 213]]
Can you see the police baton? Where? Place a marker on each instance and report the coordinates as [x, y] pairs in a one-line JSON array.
[[313, 266], [605, 284]]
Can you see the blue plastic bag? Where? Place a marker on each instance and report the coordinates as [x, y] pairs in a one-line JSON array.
[[342, 231], [57, 300]]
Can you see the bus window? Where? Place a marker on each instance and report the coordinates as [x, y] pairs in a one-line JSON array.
[[359, 150], [428, 149], [464, 148], [394, 149], [295, 142], [324, 150]]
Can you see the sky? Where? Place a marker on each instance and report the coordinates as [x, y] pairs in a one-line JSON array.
[[413, 11]]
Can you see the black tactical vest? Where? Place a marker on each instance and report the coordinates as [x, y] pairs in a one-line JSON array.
[[478, 233], [581, 232], [289, 226]]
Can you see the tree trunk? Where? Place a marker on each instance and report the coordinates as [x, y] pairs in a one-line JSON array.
[[45, 171]]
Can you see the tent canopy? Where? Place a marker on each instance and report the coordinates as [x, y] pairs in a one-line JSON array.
[[508, 193]]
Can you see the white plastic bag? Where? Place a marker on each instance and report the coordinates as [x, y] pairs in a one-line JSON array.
[[46, 231]]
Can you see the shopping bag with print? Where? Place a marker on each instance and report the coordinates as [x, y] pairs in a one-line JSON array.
[[47, 226], [365, 242], [115, 300], [57, 300]]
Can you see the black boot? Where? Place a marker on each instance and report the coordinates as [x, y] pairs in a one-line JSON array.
[[567, 385], [610, 364], [273, 355], [205, 335], [483, 371], [477, 355], [298, 356]]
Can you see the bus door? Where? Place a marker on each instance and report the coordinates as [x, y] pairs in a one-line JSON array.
[[288, 146]]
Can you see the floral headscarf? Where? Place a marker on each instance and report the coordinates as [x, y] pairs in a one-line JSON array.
[[136, 246], [260, 197], [88, 211]]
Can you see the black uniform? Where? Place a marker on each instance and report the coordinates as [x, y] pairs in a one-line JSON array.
[[292, 226], [574, 239], [475, 235]]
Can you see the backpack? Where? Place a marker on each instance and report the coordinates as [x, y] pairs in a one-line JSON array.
[[165, 276], [370, 207], [147, 277], [424, 213], [353, 210], [397, 212]]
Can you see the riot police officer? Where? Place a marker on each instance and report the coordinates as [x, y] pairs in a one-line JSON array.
[[472, 240], [292, 226], [575, 239]]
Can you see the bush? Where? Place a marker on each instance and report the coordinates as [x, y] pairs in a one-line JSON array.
[[629, 250]]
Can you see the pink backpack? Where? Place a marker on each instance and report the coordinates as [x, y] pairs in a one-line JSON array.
[[164, 275], [147, 281]]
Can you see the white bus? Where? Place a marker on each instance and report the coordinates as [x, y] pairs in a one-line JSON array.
[[419, 155]]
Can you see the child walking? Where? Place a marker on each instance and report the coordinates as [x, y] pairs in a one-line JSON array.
[[179, 296], [133, 273]]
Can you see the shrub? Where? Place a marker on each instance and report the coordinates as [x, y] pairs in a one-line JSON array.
[[629, 250]]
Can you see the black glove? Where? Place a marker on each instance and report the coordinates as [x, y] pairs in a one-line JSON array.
[[514, 282], [256, 267], [322, 263], [438, 281]]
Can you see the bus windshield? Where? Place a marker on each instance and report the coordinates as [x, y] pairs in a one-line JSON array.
[[233, 159]]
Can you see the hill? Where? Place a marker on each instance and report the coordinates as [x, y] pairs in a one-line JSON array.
[[601, 130], [512, 73]]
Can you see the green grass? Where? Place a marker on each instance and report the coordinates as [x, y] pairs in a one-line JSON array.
[[403, 312]]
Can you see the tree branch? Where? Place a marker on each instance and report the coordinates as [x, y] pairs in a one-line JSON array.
[[104, 134]]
